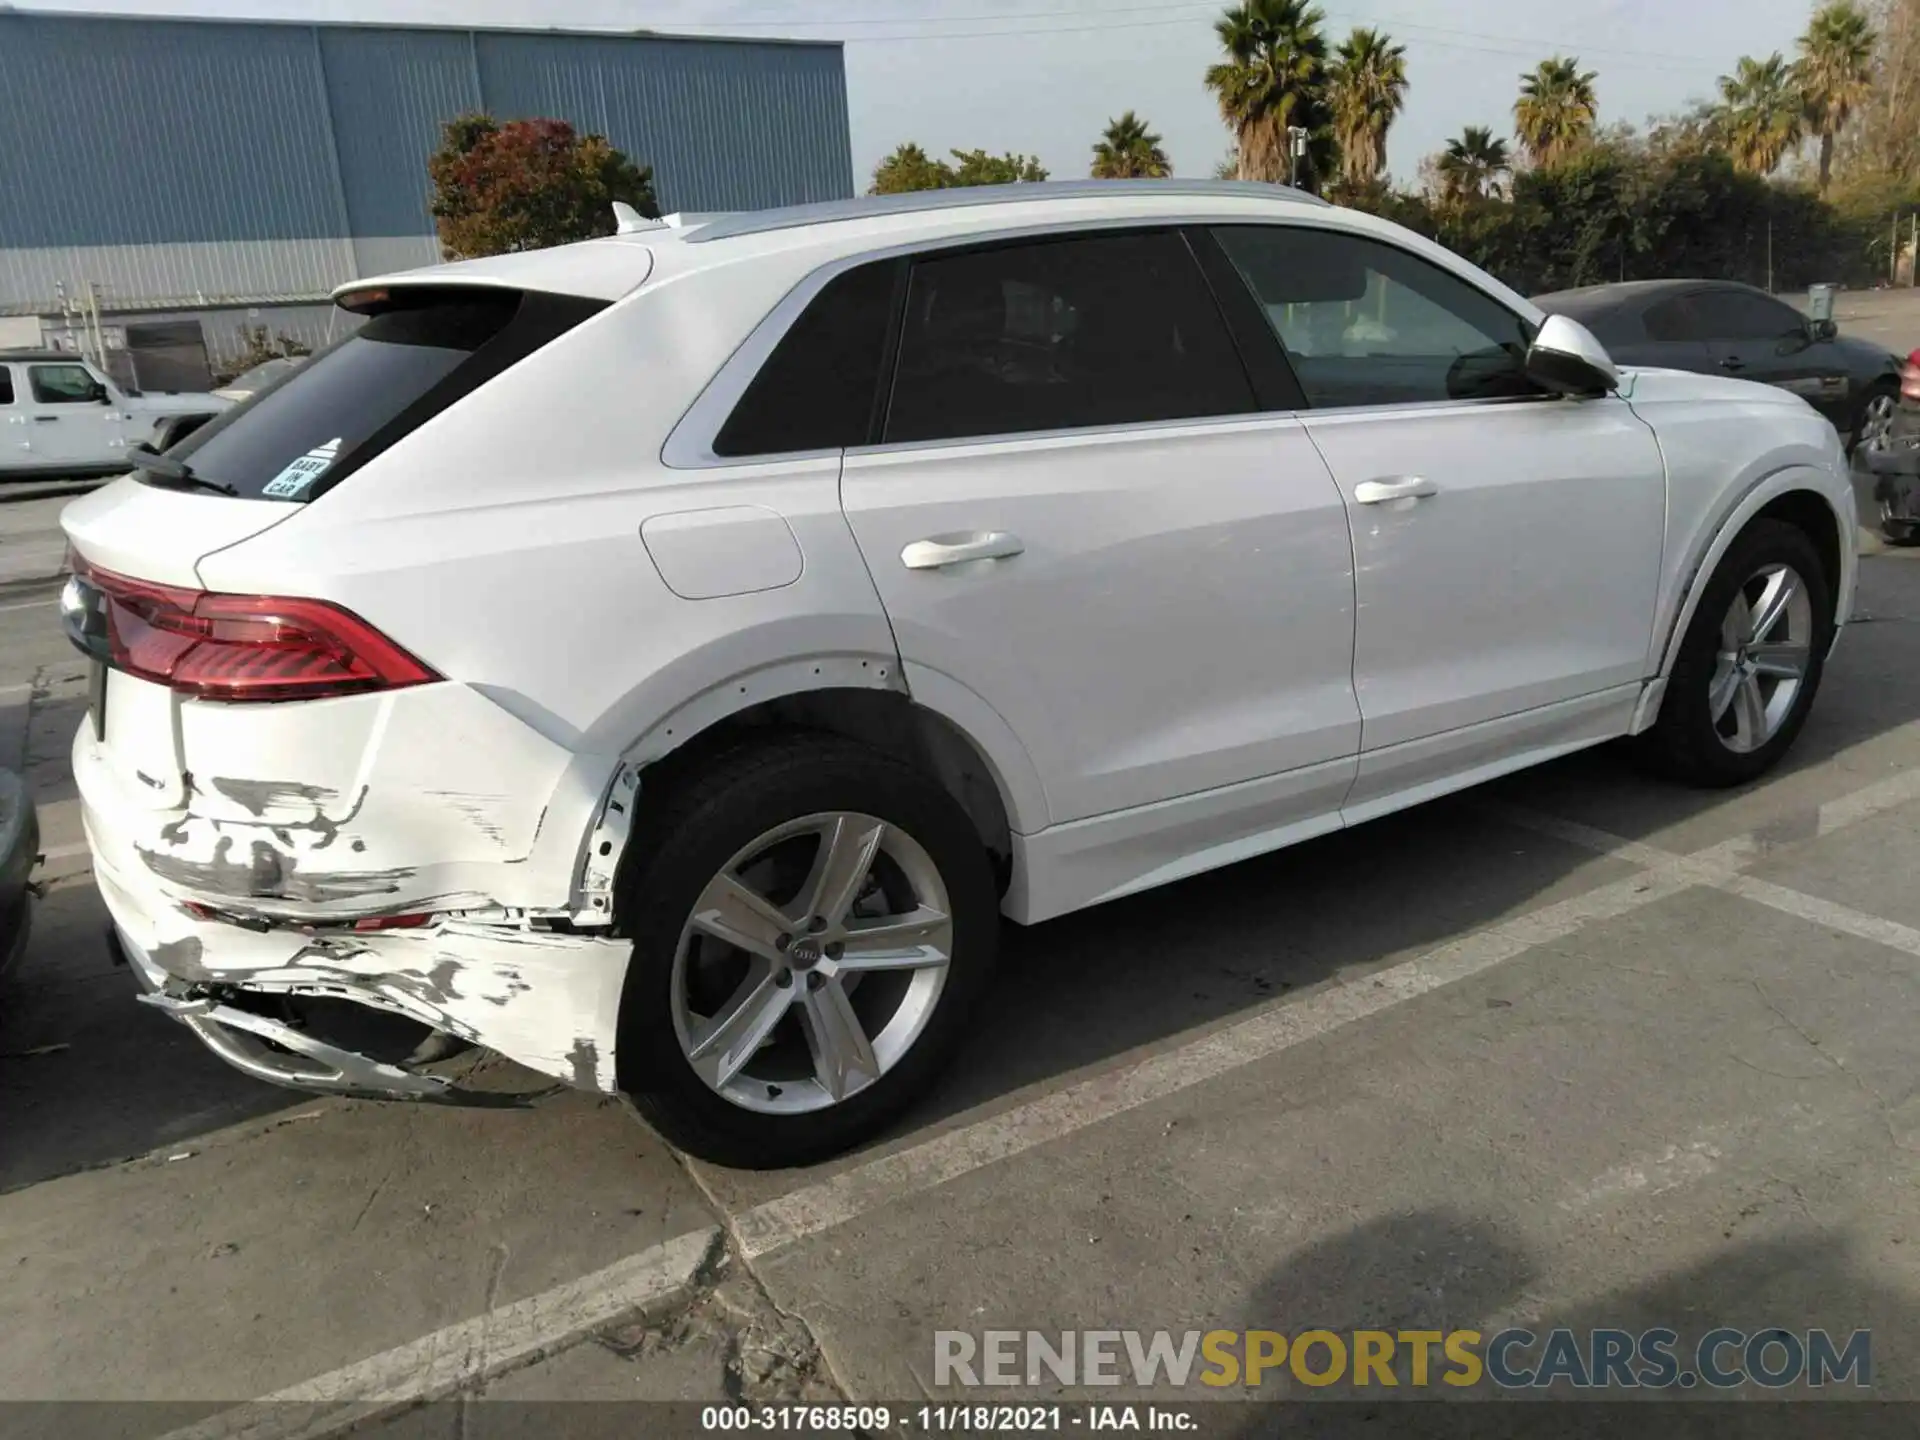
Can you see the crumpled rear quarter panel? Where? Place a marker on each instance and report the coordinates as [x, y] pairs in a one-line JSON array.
[[432, 797]]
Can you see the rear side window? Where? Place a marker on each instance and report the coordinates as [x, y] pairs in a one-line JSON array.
[[818, 389], [6, 386], [1109, 329], [406, 364], [1672, 320]]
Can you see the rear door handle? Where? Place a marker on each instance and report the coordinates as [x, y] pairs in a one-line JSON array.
[[1733, 362], [45, 419], [1378, 492], [939, 550]]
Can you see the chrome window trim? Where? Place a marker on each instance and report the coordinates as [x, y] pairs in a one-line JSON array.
[[689, 446]]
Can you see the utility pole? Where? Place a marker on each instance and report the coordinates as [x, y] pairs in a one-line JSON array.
[[1913, 271]]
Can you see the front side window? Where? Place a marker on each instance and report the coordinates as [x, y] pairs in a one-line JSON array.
[[1062, 334], [61, 384], [6, 386], [1365, 323], [1742, 315]]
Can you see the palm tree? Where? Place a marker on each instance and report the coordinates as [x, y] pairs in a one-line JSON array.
[[1760, 113], [1127, 150], [1473, 164], [1835, 72], [1272, 78], [1555, 112], [1367, 85]]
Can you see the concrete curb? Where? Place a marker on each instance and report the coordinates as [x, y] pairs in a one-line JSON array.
[[471, 1352]]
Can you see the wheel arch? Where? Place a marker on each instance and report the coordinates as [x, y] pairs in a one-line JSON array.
[[1800, 496], [987, 772]]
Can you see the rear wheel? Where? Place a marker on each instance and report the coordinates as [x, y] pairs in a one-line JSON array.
[[1750, 664], [1875, 420], [811, 921]]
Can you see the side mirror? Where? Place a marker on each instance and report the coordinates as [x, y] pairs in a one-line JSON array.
[[99, 393], [1566, 358], [1824, 330]]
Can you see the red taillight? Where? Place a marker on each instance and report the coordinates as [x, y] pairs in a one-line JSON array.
[[393, 922], [1910, 377], [237, 648]]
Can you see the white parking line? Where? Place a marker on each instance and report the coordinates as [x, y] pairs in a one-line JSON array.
[[29, 605], [467, 1354], [1709, 869], [833, 1202]]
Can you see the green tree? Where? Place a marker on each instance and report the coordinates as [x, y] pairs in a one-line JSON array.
[[1227, 167], [1761, 113], [1555, 113], [1835, 73], [1273, 77], [1473, 165], [977, 167], [528, 184], [1366, 87], [910, 168], [1127, 150]]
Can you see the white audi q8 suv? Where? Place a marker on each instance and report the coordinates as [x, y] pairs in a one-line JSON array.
[[667, 660]]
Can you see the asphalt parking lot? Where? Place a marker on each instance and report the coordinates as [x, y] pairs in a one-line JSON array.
[[1577, 1049]]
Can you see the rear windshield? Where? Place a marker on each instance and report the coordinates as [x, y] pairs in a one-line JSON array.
[[357, 397]]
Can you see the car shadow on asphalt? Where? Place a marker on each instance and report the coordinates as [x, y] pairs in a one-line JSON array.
[[87, 1075], [1443, 1269]]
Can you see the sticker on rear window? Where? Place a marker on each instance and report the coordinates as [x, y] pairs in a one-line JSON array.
[[294, 481]]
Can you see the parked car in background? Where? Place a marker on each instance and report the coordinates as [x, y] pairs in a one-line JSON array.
[[1894, 465], [19, 850], [929, 559], [59, 415], [1717, 327], [250, 382]]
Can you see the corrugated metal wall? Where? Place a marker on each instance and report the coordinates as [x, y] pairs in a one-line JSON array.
[[190, 162]]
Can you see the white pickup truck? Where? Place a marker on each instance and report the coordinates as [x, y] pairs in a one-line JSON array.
[[59, 415]]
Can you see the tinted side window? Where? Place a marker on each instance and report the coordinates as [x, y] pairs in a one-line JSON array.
[[1113, 329], [60, 384], [1673, 319], [1738, 315], [818, 389], [1365, 323], [6, 386]]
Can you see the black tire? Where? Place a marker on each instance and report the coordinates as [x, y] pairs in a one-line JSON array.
[[694, 825], [1683, 743], [1900, 533]]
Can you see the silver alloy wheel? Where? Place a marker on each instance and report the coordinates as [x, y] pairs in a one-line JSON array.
[[1876, 422], [1766, 642], [825, 976]]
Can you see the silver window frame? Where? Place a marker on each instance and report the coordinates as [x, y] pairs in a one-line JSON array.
[[689, 446]]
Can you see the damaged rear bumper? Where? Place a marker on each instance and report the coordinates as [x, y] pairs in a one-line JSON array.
[[548, 1001]]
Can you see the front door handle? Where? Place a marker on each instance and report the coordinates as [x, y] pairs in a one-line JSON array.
[[1733, 362], [939, 550], [45, 419], [1378, 492]]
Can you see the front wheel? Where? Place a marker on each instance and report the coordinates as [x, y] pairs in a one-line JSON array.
[[811, 920], [1750, 664]]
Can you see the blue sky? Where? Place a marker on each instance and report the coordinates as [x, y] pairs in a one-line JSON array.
[[1043, 76]]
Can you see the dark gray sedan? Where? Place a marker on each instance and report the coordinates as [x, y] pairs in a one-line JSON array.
[[1720, 328], [19, 849]]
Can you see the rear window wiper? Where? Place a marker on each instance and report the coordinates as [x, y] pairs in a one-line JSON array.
[[176, 474]]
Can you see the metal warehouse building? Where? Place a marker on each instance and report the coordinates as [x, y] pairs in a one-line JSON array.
[[167, 183]]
